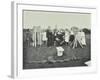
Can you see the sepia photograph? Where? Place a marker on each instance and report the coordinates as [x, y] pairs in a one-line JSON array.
[[53, 39]]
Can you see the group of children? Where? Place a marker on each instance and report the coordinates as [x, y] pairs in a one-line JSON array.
[[62, 37], [55, 37]]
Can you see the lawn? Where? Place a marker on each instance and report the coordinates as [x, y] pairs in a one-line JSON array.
[[38, 57]]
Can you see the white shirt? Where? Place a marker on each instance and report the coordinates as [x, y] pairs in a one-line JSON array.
[[59, 51]]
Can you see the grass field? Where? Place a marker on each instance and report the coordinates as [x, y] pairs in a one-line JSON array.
[[38, 57]]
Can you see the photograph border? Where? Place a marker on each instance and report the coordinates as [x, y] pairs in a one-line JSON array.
[[16, 54]]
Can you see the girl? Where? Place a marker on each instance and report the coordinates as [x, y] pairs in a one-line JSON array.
[[44, 37], [71, 37], [67, 35]]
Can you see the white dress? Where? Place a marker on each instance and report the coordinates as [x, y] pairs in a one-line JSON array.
[[44, 38], [80, 37], [77, 38], [60, 51], [67, 36], [83, 40]]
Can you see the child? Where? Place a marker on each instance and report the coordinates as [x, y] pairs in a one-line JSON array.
[[83, 40], [67, 35], [60, 51], [71, 37], [44, 37]]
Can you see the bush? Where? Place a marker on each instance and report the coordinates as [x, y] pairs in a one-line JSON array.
[[86, 31]]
